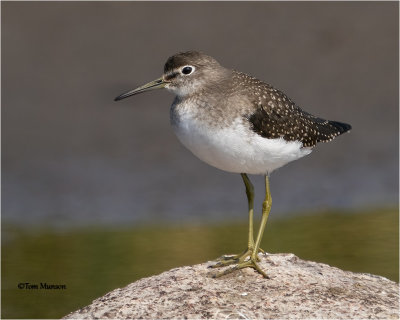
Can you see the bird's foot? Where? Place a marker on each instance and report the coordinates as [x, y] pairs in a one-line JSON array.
[[226, 260], [240, 263]]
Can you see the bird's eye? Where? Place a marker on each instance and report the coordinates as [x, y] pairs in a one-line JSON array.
[[187, 70]]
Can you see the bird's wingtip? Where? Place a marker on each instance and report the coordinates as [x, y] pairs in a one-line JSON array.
[[341, 126]]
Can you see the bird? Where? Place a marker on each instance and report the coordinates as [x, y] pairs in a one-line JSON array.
[[239, 124]]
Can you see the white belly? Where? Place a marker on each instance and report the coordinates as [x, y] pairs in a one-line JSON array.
[[236, 148]]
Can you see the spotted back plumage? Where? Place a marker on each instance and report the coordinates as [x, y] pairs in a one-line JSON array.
[[276, 116]]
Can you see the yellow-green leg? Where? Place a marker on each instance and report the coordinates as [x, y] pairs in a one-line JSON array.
[[241, 260], [231, 259], [250, 200]]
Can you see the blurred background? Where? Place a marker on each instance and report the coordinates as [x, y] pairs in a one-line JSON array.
[[96, 194]]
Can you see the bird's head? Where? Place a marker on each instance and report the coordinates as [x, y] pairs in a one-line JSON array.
[[184, 74]]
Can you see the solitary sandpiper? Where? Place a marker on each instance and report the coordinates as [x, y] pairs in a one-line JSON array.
[[239, 124]]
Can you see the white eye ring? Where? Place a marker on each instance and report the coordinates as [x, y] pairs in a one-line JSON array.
[[186, 70]]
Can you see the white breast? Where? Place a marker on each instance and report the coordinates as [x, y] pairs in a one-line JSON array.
[[235, 148]]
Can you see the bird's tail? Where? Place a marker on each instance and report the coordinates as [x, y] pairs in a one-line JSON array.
[[340, 126]]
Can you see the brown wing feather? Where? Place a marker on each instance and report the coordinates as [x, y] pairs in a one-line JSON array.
[[277, 116]]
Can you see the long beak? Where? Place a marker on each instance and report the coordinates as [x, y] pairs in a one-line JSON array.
[[156, 84]]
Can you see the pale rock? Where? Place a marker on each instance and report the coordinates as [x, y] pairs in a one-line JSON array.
[[297, 289]]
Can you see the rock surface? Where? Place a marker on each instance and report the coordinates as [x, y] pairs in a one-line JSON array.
[[297, 289]]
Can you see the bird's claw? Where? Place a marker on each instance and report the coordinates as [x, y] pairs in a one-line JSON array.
[[247, 259], [250, 263], [231, 259]]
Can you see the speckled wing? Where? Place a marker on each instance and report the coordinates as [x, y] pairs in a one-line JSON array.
[[275, 115]]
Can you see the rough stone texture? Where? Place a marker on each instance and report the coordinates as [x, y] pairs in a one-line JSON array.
[[297, 289]]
